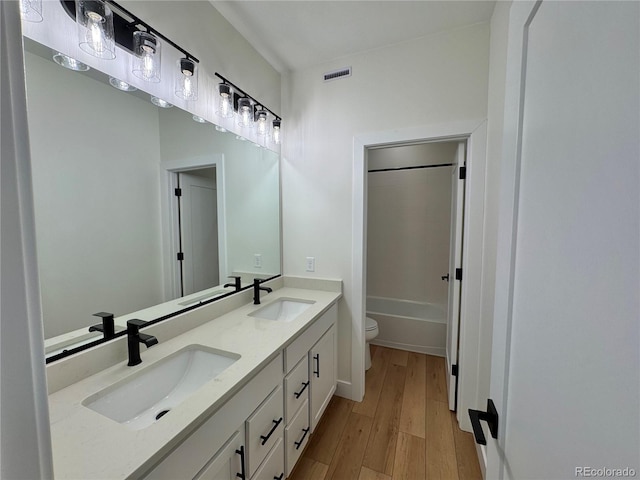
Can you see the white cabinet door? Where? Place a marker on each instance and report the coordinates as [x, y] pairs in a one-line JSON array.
[[322, 372], [228, 463]]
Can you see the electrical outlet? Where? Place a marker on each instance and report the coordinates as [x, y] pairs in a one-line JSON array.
[[257, 260], [311, 264]]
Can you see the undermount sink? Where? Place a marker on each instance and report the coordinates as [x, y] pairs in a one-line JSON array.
[[283, 309], [144, 398]]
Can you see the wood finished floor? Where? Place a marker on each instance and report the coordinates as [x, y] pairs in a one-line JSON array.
[[402, 429]]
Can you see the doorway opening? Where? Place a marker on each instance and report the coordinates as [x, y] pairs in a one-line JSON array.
[[197, 230], [415, 205]]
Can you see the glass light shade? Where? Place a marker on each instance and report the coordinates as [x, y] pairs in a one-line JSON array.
[[187, 79], [198, 119], [221, 129], [94, 21], [261, 122], [225, 101], [70, 63], [147, 56], [276, 132], [245, 112], [121, 85], [158, 102], [31, 10]]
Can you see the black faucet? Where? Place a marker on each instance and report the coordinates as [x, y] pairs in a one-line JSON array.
[[135, 338], [256, 290], [235, 284], [107, 327]]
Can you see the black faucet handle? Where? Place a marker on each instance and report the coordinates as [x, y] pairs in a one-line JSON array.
[[133, 325], [107, 327], [237, 284]]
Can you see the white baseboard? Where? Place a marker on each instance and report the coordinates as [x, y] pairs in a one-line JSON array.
[[435, 351], [344, 389]]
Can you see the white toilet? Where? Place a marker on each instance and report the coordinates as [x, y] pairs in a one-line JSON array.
[[370, 332]]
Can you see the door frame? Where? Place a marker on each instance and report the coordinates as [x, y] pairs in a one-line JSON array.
[[475, 133], [169, 213]]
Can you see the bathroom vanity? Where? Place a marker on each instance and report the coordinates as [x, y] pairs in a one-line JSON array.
[[266, 373]]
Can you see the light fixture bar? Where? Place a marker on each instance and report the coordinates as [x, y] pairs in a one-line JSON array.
[[245, 94], [126, 27]]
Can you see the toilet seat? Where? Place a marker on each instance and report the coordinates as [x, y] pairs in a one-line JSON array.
[[370, 324]]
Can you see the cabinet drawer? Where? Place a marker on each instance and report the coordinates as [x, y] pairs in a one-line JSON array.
[[296, 436], [273, 466], [296, 388], [264, 427]]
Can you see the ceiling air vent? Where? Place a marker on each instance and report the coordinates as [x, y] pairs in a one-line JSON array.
[[343, 72]]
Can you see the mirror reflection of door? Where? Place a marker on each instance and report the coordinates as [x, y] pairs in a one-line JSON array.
[[198, 230]]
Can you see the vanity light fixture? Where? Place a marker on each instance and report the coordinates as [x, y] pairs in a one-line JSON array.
[[31, 10], [221, 129], [225, 101], [187, 79], [249, 110], [158, 102], [120, 85], [261, 121], [245, 112], [71, 63], [198, 119], [94, 21], [276, 131], [242, 139], [147, 55]]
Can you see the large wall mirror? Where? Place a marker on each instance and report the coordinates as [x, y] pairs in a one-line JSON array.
[[106, 166]]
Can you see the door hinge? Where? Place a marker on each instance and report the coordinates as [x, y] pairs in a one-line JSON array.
[[178, 192], [458, 274], [463, 173], [454, 370], [180, 256]]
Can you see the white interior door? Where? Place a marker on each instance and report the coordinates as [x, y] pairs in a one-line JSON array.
[[199, 230], [455, 282], [565, 365]]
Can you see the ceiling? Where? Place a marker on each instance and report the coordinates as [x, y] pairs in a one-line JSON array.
[[297, 34]]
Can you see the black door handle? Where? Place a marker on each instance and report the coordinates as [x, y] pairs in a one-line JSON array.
[[280, 477], [445, 277], [490, 416]]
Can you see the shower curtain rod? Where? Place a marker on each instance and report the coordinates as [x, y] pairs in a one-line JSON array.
[[411, 168]]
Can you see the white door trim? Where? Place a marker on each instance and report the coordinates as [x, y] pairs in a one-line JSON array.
[[475, 132], [169, 214]]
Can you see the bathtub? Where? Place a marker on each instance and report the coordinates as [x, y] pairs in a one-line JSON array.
[[408, 325]]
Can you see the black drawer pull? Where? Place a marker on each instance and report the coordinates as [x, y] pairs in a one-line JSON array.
[[265, 439], [316, 372], [298, 444], [304, 386], [490, 416], [241, 453], [280, 477]]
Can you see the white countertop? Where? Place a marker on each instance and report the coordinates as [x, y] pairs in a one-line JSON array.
[[87, 445]]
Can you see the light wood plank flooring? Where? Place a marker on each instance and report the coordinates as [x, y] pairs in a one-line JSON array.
[[402, 429]]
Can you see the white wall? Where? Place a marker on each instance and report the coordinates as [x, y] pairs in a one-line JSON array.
[[408, 223], [436, 79], [95, 155]]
